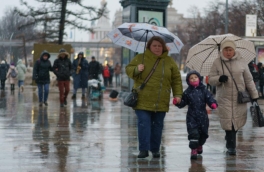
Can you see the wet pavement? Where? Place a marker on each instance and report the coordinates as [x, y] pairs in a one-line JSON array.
[[102, 137]]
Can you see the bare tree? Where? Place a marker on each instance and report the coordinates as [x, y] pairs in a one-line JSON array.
[[9, 29], [55, 16]]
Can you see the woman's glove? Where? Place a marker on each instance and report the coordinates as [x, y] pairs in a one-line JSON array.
[[254, 100], [214, 106], [223, 78]]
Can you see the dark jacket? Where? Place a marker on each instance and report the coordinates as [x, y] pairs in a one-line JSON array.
[[196, 99], [62, 67], [80, 80], [41, 70], [261, 76], [94, 69], [3, 71]]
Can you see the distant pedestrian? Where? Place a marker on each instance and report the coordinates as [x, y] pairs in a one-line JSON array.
[[106, 75], [41, 75], [196, 96], [3, 72], [117, 71], [261, 78], [94, 69], [62, 69], [21, 69], [12, 76], [111, 71], [80, 74]]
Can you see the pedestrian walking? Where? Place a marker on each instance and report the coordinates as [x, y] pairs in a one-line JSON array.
[[233, 115], [21, 69], [153, 100], [196, 96], [94, 69], [62, 69], [41, 75], [3, 71], [12, 76], [111, 71], [261, 78], [106, 75], [80, 74], [117, 71]]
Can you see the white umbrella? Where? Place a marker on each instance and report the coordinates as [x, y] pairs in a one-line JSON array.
[[202, 55], [135, 35]]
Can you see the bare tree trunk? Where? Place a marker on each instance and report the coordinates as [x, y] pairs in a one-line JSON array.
[[62, 20]]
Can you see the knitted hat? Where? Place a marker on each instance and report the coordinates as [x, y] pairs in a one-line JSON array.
[[228, 43]]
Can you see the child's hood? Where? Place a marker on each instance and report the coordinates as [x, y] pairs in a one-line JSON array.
[[193, 72]]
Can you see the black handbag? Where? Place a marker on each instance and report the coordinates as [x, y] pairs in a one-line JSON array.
[[257, 115], [132, 98], [242, 96]]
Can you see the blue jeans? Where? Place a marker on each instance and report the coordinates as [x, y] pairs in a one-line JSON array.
[[20, 83], [40, 92], [150, 125]]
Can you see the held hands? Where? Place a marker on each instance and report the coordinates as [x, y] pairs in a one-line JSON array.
[[214, 106], [79, 67], [223, 78], [176, 100], [140, 67]]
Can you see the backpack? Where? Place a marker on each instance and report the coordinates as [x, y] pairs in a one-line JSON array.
[[13, 73]]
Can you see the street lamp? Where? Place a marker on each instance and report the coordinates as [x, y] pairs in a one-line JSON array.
[[226, 18]]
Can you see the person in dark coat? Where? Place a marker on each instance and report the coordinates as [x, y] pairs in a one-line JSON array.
[[3, 71], [62, 69], [261, 78], [80, 74], [41, 75], [94, 69], [196, 96], [111, 70]]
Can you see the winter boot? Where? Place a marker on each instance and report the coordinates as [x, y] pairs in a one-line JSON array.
[[200, 150], [231, 151], [74, 96], [194, 154], [143, 154], [40, 104], [155, 154], [45, 103], [61, 105]]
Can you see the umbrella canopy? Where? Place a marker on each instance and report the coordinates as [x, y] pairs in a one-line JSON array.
[[202, 55], [135, 35]]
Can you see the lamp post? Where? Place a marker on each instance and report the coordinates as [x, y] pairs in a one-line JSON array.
[[226, 18]]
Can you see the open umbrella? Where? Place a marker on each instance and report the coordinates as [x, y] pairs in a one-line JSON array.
[[202, 55], [135, 35]]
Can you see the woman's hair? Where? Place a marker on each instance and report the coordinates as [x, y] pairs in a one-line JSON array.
[[160, 40]]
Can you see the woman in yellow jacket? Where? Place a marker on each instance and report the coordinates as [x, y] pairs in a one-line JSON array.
[[153, 100]]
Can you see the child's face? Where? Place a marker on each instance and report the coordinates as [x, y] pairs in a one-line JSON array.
[[193, 78]]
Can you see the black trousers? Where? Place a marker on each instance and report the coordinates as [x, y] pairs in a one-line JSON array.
[[196, 138], [261, 90], [3, 84], [230, 138]]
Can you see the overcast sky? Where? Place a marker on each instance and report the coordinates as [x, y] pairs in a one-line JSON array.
[[181, 5]]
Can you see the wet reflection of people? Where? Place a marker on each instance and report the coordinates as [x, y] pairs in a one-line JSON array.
[[62, 136], [197, 165], [41, 131]]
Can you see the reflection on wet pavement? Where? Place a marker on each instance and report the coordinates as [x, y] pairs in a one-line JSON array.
[[102, 136]]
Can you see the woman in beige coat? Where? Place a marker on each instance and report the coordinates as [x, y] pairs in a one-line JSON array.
[[12, 79], [232, 115]]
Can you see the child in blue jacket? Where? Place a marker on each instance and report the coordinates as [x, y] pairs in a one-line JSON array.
[[196, 96]]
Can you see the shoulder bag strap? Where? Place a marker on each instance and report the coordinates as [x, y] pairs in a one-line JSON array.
[[150, 74], [231, 76]]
